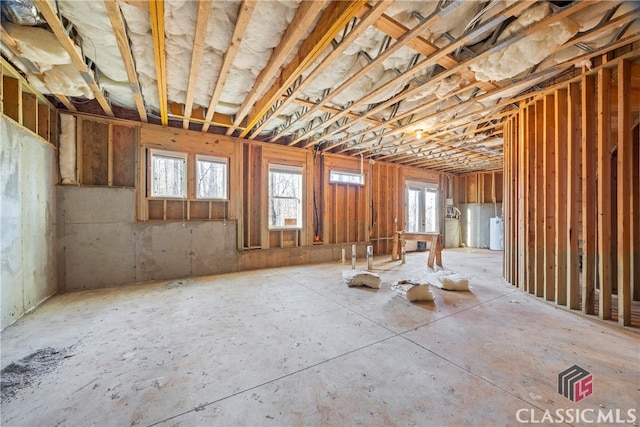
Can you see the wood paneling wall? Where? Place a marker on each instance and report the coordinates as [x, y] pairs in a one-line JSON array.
[[114, 152], [571, 194]]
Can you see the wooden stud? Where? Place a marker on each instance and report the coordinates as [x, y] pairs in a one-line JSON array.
[[45, 8], [540, 198], [635, 215], [561, 195], [625, 193], [305, 15], [156, 13], [522, 200], [589, 200], [549, 198], [604, 193], [574, 176], [120, 33], [202, 21], [242, 23], [332, 21], [531, 199]]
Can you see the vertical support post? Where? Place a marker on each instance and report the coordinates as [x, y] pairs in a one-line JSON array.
[[573, 189], [369, 258], [539, 195], [353, 257], [404, 255], [625, 193], [531, 199], [344, 255], [589, 216], [604, 193], [562, 200], [549, 200]]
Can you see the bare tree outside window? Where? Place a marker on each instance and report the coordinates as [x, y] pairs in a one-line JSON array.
[[211, 177], [168, 175], [285, 197]]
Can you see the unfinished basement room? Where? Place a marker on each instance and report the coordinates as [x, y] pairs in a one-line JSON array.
[[320, 213]]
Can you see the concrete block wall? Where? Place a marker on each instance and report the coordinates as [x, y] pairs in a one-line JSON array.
[[28, 261], [101, 244]]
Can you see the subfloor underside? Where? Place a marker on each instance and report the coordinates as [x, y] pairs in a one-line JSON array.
[[296, 346]]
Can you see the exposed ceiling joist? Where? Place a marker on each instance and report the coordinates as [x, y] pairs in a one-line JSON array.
[[431, 60], [531, 29], [156, 14], [56, 26], [372, 15], [202, 21], [333, 20], [399, 44], [305, 15], [244, 16], [120, 32]]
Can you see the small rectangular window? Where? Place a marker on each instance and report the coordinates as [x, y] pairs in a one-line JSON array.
[[339, 177], [168, 174], [211, 178], [285, 197]]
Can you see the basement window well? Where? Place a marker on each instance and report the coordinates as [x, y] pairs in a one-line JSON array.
[[285, 196], [340, 177], [211, 178], [168, 174]]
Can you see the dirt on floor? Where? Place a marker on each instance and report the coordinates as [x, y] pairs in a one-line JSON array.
[[26, 371]]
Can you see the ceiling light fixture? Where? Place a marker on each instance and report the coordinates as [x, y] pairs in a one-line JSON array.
[[419, 134]]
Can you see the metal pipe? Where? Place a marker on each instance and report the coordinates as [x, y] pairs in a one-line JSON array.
[[369, 258], [353, 257]]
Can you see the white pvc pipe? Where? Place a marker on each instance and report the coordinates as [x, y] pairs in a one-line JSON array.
[[353, 257], [369, 257]]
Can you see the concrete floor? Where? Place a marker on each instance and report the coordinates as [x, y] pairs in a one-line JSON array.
[[295, 346]]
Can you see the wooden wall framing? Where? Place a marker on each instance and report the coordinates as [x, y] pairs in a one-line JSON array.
[[571, 191], [23, 104]]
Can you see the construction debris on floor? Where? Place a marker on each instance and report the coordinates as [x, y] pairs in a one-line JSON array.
[[412, 290], [361, 278], [449, 280]]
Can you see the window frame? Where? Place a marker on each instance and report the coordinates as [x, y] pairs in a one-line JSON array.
[[282, 168], [211, 159], [423, 187], [345, 173], [152, 170]]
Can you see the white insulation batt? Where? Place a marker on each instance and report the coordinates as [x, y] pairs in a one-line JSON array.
[[268, 22], [361, 278], [412, 290], [449, 280], [68, 148]]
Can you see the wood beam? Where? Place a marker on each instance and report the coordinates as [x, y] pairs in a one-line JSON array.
[[304, 18], [604, 194], [399, 44], [589, 199], [530, 156], [200, 32], [625, 194], [549, 197], [365, 22], [432, 59], [553, 18], [156, 14], [58, 29], [561, 195], [334, 18], [574, 175], [540, 205], [120, 32], [242, 23]]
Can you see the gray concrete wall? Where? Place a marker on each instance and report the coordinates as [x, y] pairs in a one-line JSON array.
[[474, 222], [28, 268], [103, 246]]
